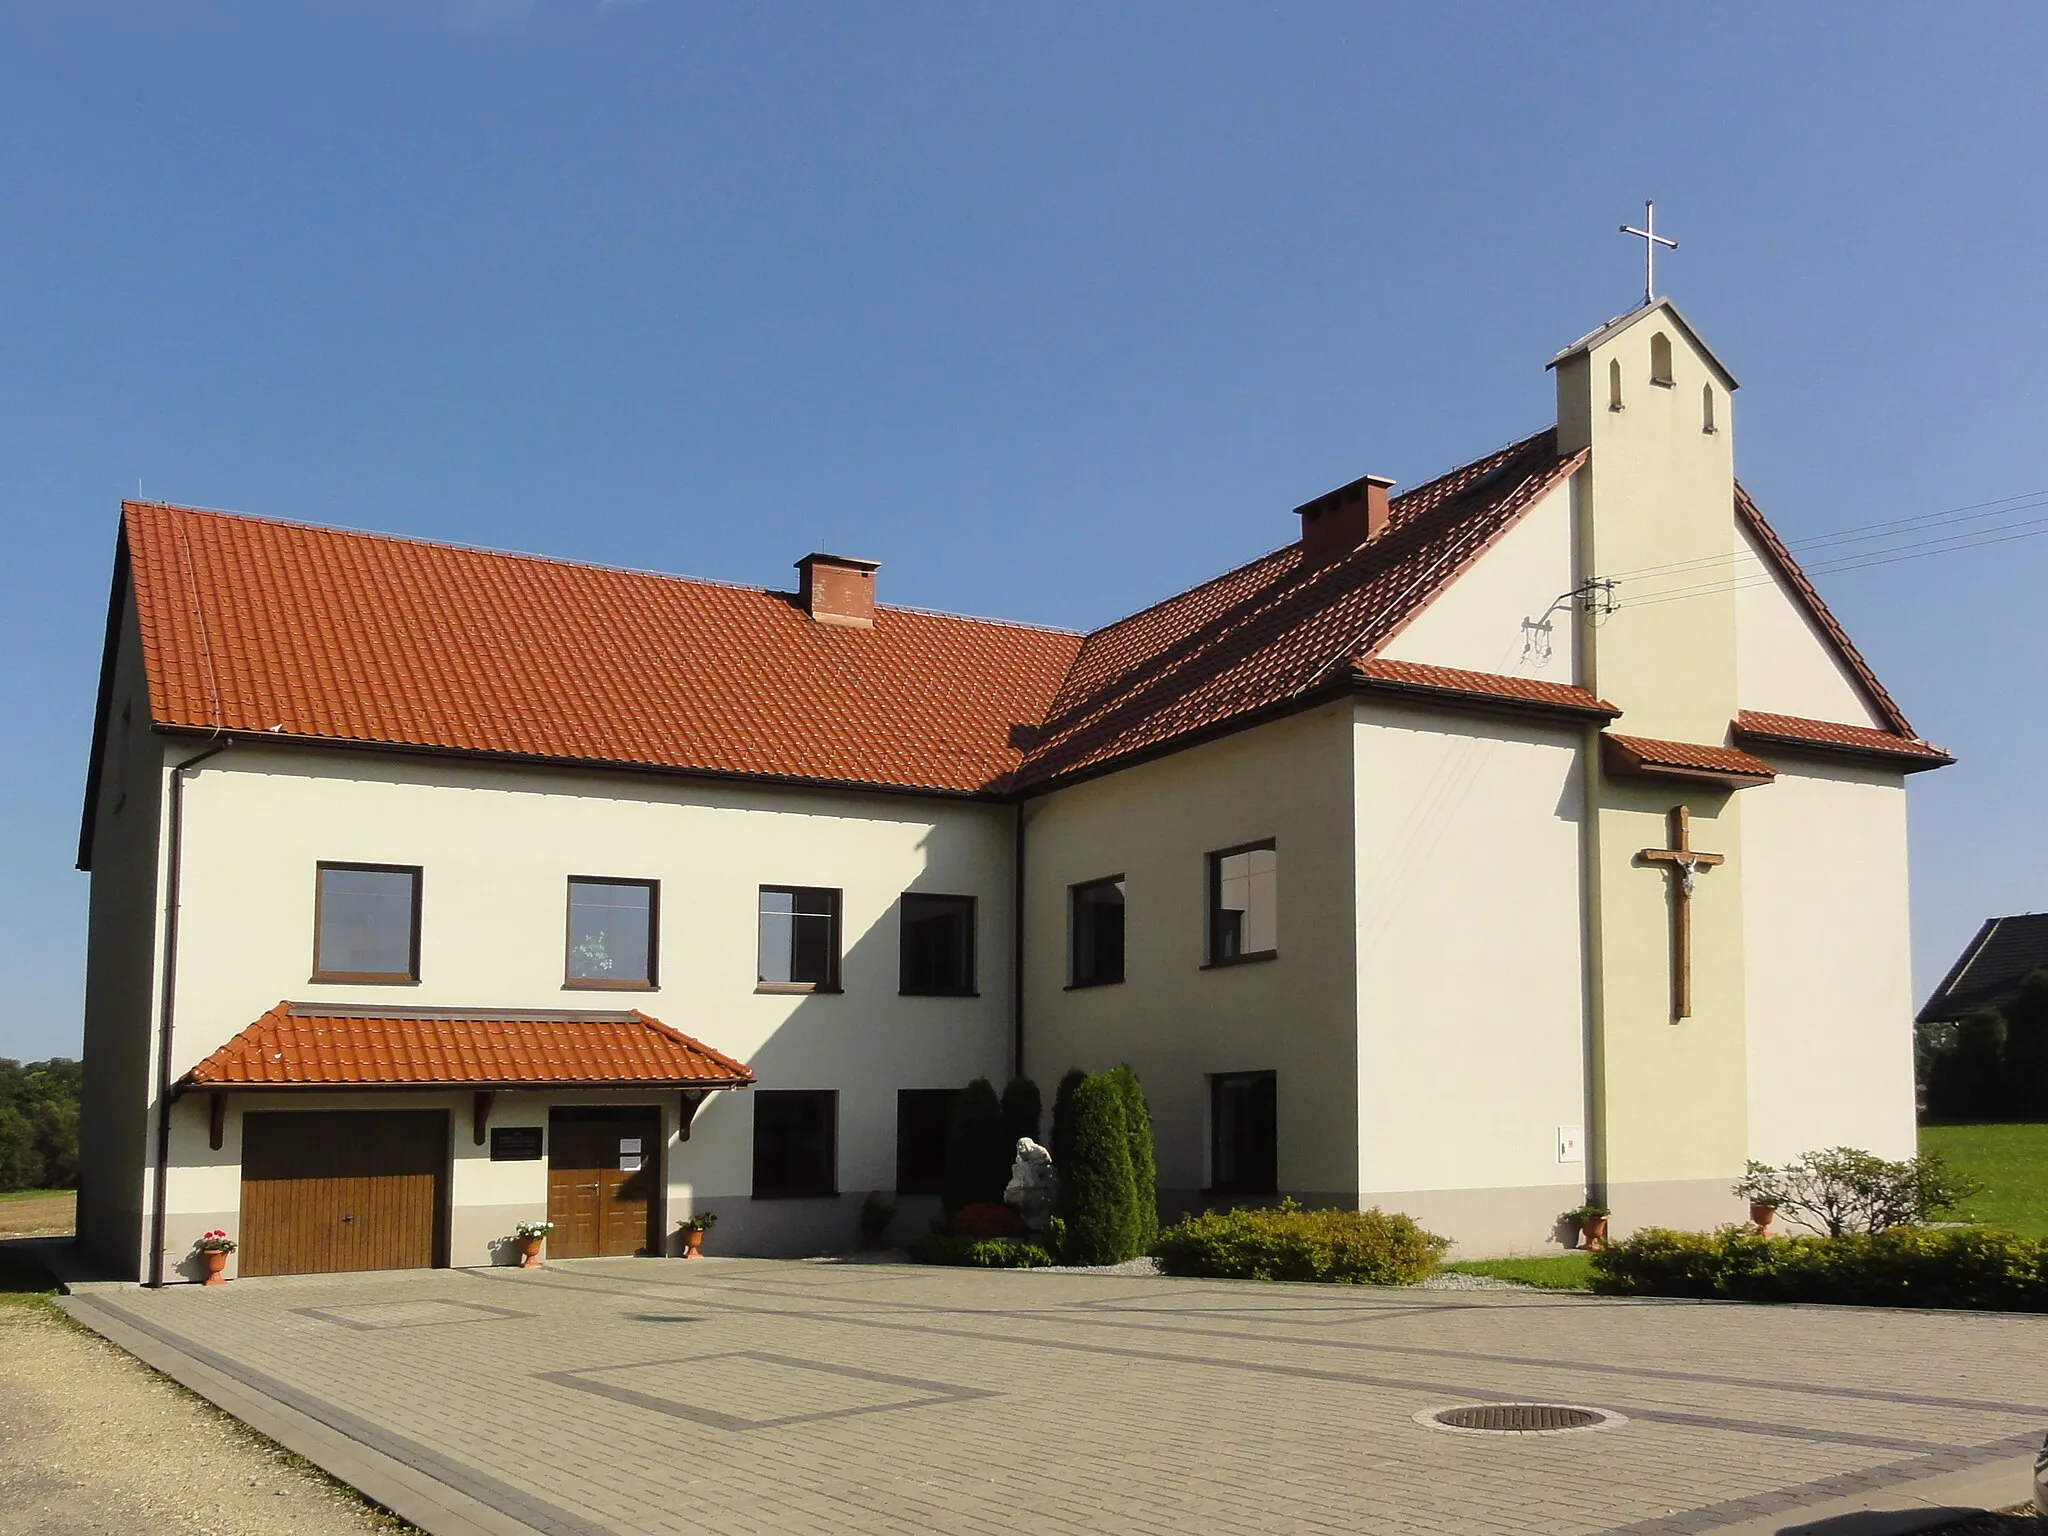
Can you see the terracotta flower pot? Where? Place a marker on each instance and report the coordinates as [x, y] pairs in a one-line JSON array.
[[1593, 1232], [693, 1242], [215, 1261], [1761, 1216], [529, 1252]]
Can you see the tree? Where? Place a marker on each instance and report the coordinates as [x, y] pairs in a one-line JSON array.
[[39, 1124], [1101, 1197], [1062, 1144], [2026, 1050], [977, 1154], [1021, 1110], [1144, 1171], [1844, 1189]]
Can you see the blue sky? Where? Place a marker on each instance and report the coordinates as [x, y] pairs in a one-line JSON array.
[[1051, 309]]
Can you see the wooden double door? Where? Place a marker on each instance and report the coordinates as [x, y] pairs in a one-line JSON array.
[[604, 1181], [325, 1190]]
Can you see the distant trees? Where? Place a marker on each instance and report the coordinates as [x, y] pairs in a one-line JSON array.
[[1992, 1065], [39, 1124]]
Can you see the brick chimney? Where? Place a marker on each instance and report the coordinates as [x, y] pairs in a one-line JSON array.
[[838, 590], [1334, 525]]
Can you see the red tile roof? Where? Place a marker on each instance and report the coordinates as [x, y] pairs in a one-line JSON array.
[[1263, 636], [1681, 759], [311, 1045], [250, 625], [1791, 730], [1382, 675]]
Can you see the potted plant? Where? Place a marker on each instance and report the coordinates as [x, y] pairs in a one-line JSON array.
[[1591, 1220], [213, 1249], [693, 1229], [1761, 1214], [531, 1235]]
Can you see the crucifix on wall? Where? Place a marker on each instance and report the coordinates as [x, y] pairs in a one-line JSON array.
[[1684, 863]]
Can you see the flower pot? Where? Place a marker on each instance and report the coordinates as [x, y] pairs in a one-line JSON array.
[[1593, 1233], [215, 1261], [693, 1241], [529, 1252], [1761, 1216]]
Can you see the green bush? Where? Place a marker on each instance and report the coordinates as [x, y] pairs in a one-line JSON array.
[[1285, 1242], [1845, 1189], [1021, 1111], [1096, 1184], [39, 1124], [979, 1252], [977, 1155], [1061, 1144], [1144, 1171], [1979, 1268]]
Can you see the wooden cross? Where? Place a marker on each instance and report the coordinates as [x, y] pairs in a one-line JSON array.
[[1684, 863]]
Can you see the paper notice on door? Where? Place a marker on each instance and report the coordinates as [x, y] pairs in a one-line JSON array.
[[629, 1146], [629, 1162]]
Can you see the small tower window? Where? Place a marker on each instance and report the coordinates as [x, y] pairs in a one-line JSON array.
[[1660, 359], [1614, 384], [1706, 407]]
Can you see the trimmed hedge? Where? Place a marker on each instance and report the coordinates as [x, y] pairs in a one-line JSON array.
[[1978, 1268], [1288, 1243], [1096, 1185], [977, 1155], [979, 1252]]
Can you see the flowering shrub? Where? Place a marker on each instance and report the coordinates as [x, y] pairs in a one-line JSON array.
[[979, 1252], [530, 1230], [215, 1241], [1286, 1242], [985, 1218]]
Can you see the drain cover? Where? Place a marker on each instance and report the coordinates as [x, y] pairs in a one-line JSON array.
[[1517, 1418]]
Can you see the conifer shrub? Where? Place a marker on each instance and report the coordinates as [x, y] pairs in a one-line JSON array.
[[1096, 1185], [1061, 1144], [1144, 1171], [1978, 1268], [979, 1252], [977, 1155], [1021, 1111], [1285, 1242]]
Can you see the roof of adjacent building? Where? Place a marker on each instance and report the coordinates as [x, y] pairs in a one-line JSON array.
[[1992, 967], [322, 1045]]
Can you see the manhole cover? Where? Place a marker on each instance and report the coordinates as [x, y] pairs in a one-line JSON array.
[[1518, 1418]]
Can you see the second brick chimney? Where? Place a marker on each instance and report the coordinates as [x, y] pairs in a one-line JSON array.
[[837, 589], [1335, 524]]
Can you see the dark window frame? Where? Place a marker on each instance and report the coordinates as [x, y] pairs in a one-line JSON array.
[[652, 983], [830, 1188], [836, 953], [408, 978], [1218, 1185], [1075, 981], [935, 1184], [1213, 957], [903, 986]]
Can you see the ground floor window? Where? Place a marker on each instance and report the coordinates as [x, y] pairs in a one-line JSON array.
[[1244, 1134], [796, 1138], [922, 1115]]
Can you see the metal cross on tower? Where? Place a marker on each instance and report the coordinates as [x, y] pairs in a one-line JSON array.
[[1684, 862], [1651, 240]]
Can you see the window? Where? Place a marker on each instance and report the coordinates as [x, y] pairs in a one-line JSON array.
[[611, 932], [795, 1141], [1660, 359], [366, 923], [938, 945], [799, 939], [1706, 407], [922, 1116], [1244, 1134], [1614, 384], [1244, 919], [1095, 922]]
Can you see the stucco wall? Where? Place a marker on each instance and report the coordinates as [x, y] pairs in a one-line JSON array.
[[1830, 980], [1171, 1019], [1471, 997], [1786, 666], [497, 846]]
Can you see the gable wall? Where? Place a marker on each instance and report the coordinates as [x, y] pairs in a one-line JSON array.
[[1785, 663]]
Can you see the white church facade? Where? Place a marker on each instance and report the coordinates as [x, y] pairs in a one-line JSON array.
[[1532, 836]]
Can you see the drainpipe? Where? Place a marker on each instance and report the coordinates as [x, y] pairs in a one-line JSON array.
[[1017, 950], [170, 991]]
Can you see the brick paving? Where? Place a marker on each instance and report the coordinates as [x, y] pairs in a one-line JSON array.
[[761, 1396]]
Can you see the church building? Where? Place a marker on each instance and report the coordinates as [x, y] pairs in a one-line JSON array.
[[1530, 836]]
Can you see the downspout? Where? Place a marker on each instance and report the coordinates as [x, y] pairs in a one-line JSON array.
[[173, 861], [1017, 950]]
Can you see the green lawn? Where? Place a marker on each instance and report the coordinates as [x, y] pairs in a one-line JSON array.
[[8, 1195], [2010, 1160], [1552, 1272]]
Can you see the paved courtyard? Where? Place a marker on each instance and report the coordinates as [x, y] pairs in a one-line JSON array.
[[759, 1396]]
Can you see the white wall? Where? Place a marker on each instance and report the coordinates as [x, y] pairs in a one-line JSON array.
[[1471, 944], [1830, 1005], [1785, 664], [1477, 623], [498, 844]]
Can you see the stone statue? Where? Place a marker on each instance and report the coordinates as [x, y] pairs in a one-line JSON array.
[[1033, 1184]]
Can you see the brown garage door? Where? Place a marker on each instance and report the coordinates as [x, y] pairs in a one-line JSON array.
[[604, 1166], [340, 1189]]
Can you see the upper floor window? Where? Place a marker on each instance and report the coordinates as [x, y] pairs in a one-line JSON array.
[[1706, 407], [1095, 925], [1660, 359], [799, 939], [1244, 921], [366, 923], [612, 932], [938, 945]]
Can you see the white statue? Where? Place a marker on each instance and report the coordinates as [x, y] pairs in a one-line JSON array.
[[1033, 1184]]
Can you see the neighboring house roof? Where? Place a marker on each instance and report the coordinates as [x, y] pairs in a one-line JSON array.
[[253, 626], [1760, 729], [323, 1045], [1992, 967]]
